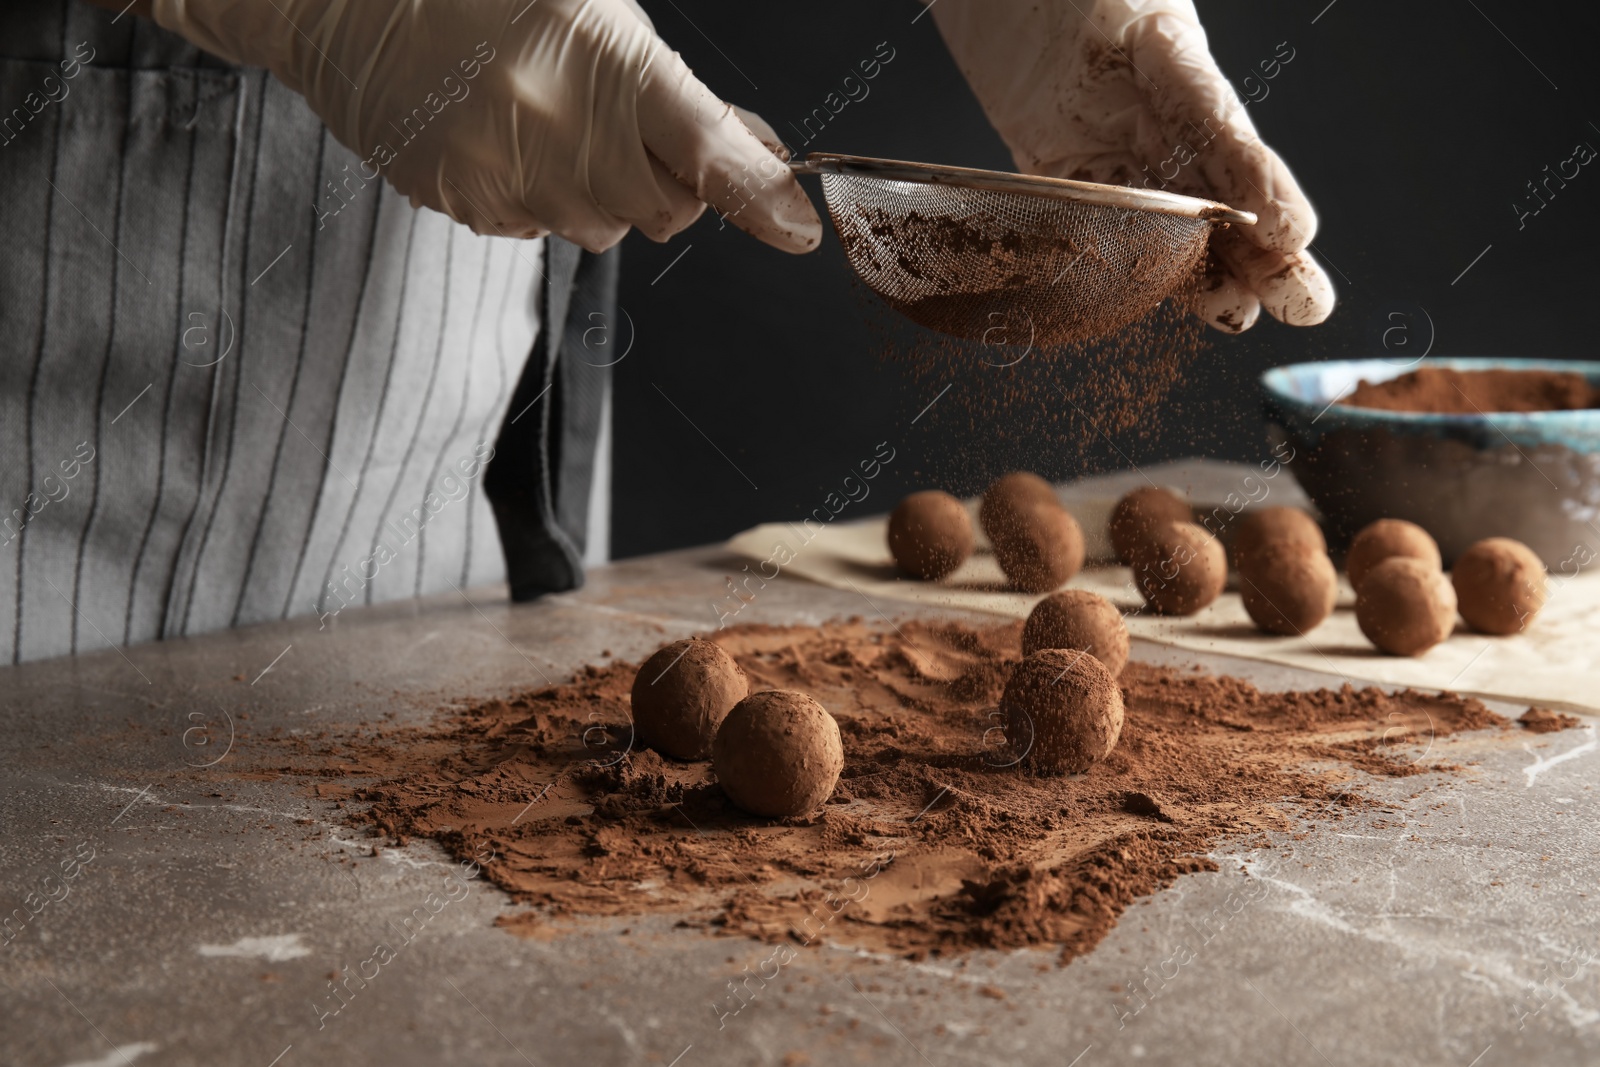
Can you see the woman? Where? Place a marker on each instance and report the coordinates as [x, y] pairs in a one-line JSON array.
[[303, 300]]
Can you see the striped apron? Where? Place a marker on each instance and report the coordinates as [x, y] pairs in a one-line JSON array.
[[238, 383]]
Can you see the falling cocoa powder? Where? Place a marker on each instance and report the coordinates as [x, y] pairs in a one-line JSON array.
[[1026, 400], [938, 839], [1442, 390]]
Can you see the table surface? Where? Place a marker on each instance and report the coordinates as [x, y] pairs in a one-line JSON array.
[[181, 914]]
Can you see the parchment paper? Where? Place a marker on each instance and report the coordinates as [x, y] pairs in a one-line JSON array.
[[1556, 663]]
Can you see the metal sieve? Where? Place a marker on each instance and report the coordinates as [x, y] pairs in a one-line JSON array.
[[991, 256]]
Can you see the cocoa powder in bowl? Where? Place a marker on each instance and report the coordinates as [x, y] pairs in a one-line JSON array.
[[1062, 708], [1137, 516], [778, 753], [1384, 538], [681, 695], [930, 534], [1445, 390], [1405, 606], [1499, 584], [1040, 548], [1079, 620]]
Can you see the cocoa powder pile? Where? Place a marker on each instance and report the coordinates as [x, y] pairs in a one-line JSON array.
[[936, 840], [1545, 721], [1441, 390]]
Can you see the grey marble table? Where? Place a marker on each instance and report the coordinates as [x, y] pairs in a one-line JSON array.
[[167, 912]]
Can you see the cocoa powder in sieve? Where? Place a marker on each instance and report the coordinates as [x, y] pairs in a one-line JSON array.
[[937, 839], [1073, 272], [1028, 382]]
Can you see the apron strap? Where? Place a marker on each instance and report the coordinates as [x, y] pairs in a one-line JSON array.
[[543, 468]]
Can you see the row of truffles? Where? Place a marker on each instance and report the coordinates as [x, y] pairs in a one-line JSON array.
[[1178, 567], [1405, 603], [778, 753], [1287, 581], [1037, 543], [775, 753], [1062, 707]]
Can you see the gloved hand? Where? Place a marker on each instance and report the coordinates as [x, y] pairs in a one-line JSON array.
[[1126, 92], [516, 117]]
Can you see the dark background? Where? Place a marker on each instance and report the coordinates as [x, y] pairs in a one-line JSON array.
[[1413, 128]]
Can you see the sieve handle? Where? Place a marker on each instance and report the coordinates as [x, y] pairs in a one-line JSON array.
[[1121, 196]]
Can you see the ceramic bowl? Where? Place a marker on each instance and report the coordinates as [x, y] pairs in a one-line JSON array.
[[1533, 476]]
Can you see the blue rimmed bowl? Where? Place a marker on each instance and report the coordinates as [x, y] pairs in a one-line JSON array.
[[1534, 476]]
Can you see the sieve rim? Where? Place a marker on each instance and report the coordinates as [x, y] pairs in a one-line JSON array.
[[1119, 196]]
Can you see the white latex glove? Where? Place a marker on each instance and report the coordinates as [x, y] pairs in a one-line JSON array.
[[1126, 92], [562, 116]]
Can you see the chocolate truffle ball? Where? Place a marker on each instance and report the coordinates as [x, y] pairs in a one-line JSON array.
[[1405, 606], [1181, 569], [681, 695], [1385, 538], [1081, 621], [778, 753], [930, 534], [1007, 496], [1064, 709], [1288, 587], [1275, 526], [1135, 518], [1499, 584], [1039, 547]]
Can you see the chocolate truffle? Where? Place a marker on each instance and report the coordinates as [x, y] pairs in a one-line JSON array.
[[1181, 569], [1405, 606], [1499, 584], [778, 753], [1079, 620], [1005, 498], [1063, 708], [681, 695], [1135, 518], [930, 534], [1385, 538], [1288, 587], [1039, 547], [1275, 526]]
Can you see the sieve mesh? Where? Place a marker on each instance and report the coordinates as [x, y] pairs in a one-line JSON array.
[[968, 261]]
